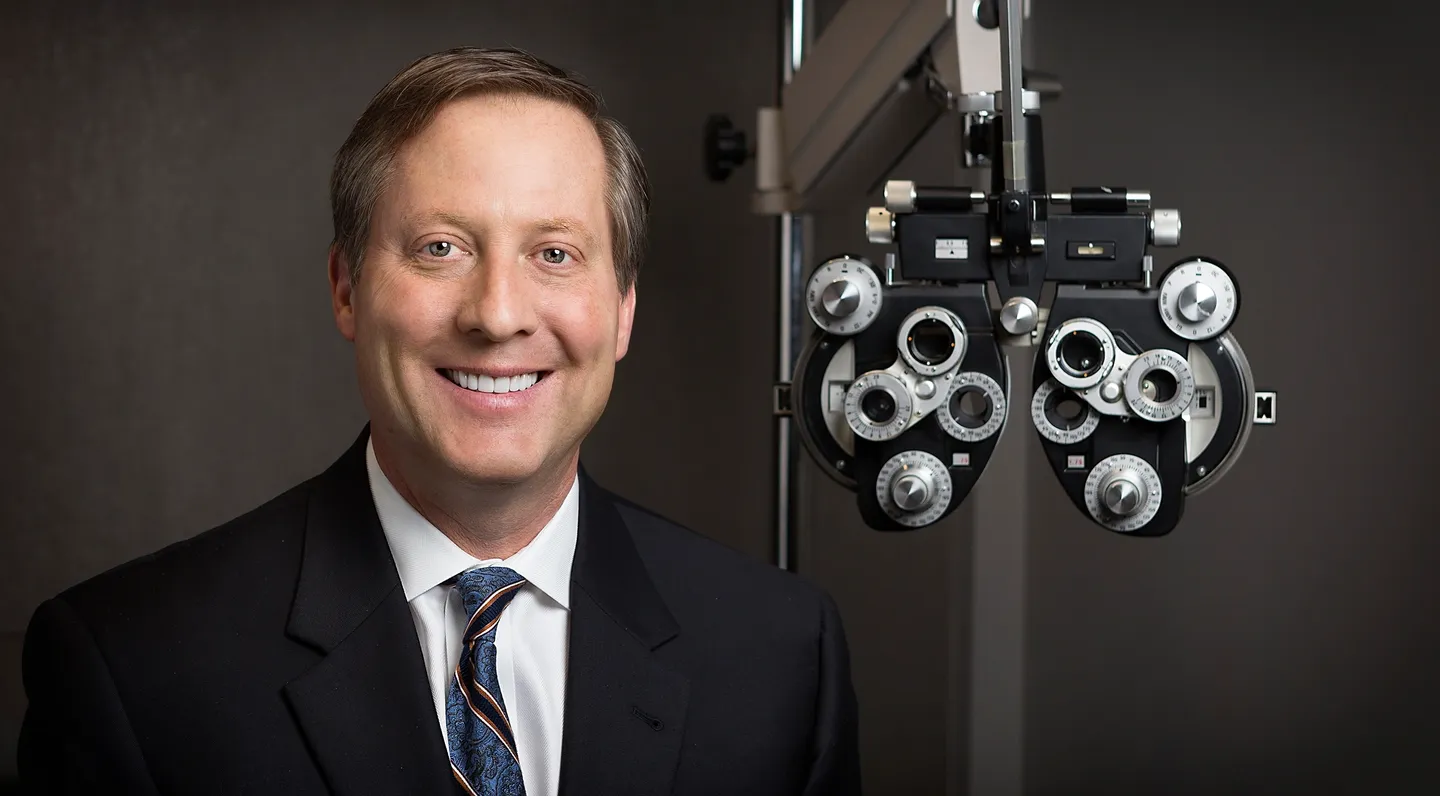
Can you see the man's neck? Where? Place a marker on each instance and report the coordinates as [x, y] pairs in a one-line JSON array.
[[487, 521]]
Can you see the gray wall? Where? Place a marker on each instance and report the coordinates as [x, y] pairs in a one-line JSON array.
[[170, 359], [1283, 638]]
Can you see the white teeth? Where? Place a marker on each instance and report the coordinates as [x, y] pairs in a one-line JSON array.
[[502, 384]]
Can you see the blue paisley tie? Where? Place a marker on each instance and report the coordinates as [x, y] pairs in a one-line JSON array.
[[482, 745]]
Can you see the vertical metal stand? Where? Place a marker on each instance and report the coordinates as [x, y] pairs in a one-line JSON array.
[[996, 707], [797, 32]]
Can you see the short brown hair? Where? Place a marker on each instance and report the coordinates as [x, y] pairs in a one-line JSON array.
[[411, 99]]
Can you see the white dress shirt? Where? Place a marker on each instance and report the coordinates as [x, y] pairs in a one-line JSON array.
[[531, 640]]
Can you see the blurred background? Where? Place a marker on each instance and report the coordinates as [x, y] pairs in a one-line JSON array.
[[170, 360]]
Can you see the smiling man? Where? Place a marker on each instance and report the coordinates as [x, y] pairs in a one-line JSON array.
[[454, 606]]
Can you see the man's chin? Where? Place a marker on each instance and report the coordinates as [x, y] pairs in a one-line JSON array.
[[493, 465], [494, 474]]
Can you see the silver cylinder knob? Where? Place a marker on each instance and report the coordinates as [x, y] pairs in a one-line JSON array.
[[913, 491], [880, 226], [1165, 227], [900, 196], [1111, 391], [1123, 492], [1196, 302], [1019, 315]]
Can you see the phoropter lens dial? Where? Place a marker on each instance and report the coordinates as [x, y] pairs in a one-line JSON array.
[[914, 488], [931, 340], [1199, 299], [878, 406], [844, 295], [1159, 385], [1123, 492], [1061, 416], [1080, 353], [975, 409]]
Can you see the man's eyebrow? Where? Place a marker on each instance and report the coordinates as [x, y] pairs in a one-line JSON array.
[[431, 216], [567, 225]]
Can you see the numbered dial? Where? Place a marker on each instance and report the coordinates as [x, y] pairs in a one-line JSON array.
[[1080, 353], [1159, 385], [844, 295], [1061, 416], [878, 406], [1123, 493], [914, 488], [975, 409], [1198, 299]]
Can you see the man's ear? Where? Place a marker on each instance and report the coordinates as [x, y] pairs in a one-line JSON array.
[[342, 294], [625, 324]]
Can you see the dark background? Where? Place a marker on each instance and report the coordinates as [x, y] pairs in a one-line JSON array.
[[170, 360]]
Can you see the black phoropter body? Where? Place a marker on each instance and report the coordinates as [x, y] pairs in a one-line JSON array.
[[1141, 394]]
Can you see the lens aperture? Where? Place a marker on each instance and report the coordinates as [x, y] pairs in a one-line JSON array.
[[1065, 411], [1159, 386], [970, 407], [1081, 353], [878, 406], [931, 341]]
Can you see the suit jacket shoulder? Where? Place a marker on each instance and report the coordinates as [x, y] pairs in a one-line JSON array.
[[255, 554]]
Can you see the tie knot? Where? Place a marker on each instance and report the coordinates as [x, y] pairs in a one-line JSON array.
[[485, 592]]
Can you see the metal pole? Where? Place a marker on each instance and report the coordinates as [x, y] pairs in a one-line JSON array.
[[1016, 158], [796, 35], [996, 759]]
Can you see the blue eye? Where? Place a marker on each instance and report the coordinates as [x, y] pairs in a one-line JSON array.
[[439, 248], [555, 256]]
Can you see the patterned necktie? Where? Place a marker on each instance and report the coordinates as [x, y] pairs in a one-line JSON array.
[[482, 745]]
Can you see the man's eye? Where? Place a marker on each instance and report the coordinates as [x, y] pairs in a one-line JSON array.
[[439, 248], [555, 256]]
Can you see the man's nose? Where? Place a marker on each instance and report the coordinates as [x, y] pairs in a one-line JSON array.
[[498, 299]]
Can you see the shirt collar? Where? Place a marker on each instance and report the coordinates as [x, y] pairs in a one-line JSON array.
[[426, 558]]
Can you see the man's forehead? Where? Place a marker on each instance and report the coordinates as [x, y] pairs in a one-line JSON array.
[[504, 107]]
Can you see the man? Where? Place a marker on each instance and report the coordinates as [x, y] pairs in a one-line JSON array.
[[454, 606]]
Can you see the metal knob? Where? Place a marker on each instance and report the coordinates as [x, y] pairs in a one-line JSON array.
[[841, 298], [1165, 227], [1197, 302], [880, 226], [900, 196], [913, 491], [1111, 391], [1123, 493], [1019, 315]]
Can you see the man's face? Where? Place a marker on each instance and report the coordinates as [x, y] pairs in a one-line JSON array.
[[488, 265]]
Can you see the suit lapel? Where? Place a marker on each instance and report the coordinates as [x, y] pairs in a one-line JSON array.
[[624, 711], [365, 708]]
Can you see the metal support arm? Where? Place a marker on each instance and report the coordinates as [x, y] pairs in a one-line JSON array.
[[870, 86]]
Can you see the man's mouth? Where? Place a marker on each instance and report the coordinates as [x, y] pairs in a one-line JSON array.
[[479, 382]]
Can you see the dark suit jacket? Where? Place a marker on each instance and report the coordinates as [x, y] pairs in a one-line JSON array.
[[276, 654]]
